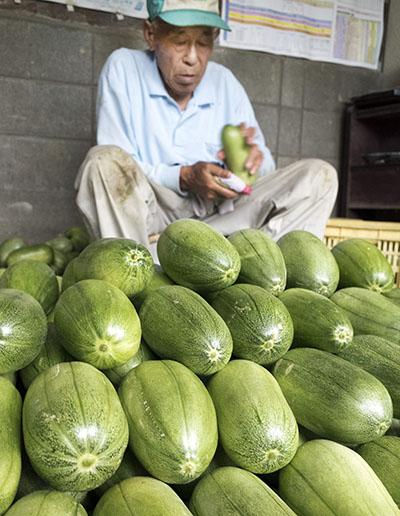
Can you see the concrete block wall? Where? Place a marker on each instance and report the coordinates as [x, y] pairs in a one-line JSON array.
[[49, 63]]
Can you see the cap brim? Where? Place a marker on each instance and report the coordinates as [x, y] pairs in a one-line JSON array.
[[192, 17]]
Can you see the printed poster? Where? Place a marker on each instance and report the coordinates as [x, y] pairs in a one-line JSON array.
[[134, 8], [341, 31]]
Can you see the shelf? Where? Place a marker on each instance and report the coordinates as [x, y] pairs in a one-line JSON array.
[[374, 187], [389, 111], [378, 167], [372, 126], [370, 206]]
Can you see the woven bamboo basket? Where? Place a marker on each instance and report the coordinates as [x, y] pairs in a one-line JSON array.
[[385, 235]]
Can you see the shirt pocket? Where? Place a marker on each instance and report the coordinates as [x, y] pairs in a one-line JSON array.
[[194, 151]]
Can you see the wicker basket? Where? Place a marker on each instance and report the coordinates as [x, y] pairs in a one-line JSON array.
[[385, 235]]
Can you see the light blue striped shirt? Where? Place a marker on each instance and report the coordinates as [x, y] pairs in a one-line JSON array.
[[135, 112]]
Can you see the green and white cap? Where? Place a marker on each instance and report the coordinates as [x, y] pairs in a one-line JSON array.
[[186, 13]]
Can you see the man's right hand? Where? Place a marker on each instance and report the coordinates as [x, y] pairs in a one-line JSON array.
[[202, 179]]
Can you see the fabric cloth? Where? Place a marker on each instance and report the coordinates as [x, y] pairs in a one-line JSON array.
[[116, 198], [135, 112]]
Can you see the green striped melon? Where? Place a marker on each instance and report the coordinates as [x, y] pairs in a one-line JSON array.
[[34, 278], [362, 264], [61, 243], [393, 295], [260, 325], [140, 496], [97, 324], [7, 247], [60, 262], [10, 438], [332, 397], [179, 324], [197, 256], [257, 428], [234, 491], [129, 467], [78, 236], [159, 279], [326, 477], [118, 373], [122, 262], [309, 263], [51, 353], [12, 377], [47, 503], [185, 491], [75, 430], [39, 252], [71, 255], [23, 329], [381, 358], [370, 313], [383, 455], [318, 322], [172, 422], [261, 259], [30, 480], [69, 276]]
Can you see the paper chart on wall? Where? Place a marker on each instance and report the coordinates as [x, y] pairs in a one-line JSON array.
[[341, 31], [134, 8]]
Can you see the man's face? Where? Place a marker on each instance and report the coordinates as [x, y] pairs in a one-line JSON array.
[[182, 54]]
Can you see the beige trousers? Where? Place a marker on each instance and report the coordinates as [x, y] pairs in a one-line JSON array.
[[116, 199]]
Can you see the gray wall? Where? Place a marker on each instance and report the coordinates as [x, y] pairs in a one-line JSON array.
[[49, 63]]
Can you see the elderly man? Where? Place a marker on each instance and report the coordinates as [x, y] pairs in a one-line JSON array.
[[160, 114]]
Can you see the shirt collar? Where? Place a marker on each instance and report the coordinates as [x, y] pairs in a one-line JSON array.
[[203, 95], [153, 78]]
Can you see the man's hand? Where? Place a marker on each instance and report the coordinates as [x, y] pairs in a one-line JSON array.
[[256, 157], [202, 179]]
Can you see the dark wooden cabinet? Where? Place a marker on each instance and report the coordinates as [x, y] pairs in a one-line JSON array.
[[370, 181]]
